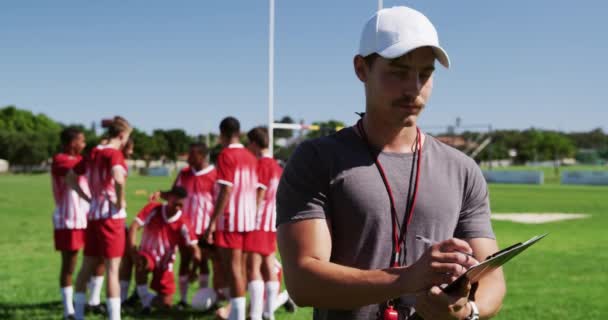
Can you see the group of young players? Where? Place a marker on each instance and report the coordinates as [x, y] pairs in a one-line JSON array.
[[223, 214]]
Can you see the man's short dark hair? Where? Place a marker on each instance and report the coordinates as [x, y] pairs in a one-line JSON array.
[[68, 135], [230, 127], [200, 147], [259, 136], [370, 59], [177, 191]]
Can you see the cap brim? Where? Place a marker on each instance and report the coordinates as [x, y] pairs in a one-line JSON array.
[[398, 49]]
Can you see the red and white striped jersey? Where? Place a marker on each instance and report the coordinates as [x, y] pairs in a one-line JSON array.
[[98, 166], [201, 187], [70, 209], [269, 174], [236, 167], [162, 235]]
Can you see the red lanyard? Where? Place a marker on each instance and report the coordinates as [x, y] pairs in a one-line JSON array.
[[397, 242]]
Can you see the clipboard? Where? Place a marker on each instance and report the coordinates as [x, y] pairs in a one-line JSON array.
[[491, 263]]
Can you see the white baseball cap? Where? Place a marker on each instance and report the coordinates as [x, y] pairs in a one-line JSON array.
[[395, 31]]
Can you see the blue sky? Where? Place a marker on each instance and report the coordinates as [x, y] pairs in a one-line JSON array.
[[187, 64]]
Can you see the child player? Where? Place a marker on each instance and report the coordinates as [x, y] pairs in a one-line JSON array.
[[164, 228]]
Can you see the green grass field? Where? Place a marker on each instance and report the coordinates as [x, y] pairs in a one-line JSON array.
[[564, 276]]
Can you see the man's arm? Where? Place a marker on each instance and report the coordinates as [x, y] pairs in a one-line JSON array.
[[118, 175], [221, 203], [261, 192], [132, 238], [492, 287], [312, 280], [71, 180]]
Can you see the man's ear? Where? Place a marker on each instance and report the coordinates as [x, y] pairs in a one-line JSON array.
[[361, 69]]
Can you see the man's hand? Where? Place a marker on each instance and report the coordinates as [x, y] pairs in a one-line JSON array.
[[132, 251], [436, 304], [208, 235], [442, 263], [154, 196], [141, 263]]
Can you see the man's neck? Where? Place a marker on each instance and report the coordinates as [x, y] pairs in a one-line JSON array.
[[114, 143], [234, 140], [264, 153], [200, 167], [70, 152], [170, 212], [390, 138]]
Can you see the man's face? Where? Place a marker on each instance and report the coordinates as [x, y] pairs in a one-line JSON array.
[[195, 158], [398, 89], [79, 143], [128, 150], [175, 203], [124, 138]]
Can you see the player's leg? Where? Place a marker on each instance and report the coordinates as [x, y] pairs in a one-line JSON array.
[[86, 270], [184, 275], [236, 279], [125, 274], [163, 301], [143, 266], [68, 264], [272, 284], [113, 248], [203, 268], [255, 285], [94, 286], [113, 287]]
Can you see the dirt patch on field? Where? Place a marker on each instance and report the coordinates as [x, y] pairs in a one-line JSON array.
[[537, 218]]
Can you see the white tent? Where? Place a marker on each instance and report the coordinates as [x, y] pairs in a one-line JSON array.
[[3, 166]]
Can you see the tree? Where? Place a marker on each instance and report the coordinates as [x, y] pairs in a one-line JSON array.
[[325, 128], [284, 133]]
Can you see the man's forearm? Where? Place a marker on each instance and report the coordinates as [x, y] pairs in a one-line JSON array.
[[120, 194], [489, 294], [328, 285], [132, 234], [222, 200], [72, 181]]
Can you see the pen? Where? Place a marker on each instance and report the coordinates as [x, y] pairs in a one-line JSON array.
[[431, 242]]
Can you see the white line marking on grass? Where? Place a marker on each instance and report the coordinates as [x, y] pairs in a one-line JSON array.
[[537, 218]]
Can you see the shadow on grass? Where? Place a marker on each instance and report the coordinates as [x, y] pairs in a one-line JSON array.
[[54, 310]]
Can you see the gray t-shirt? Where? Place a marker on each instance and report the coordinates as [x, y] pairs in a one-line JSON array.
[[335, 178]]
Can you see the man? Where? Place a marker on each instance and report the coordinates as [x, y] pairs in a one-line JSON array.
[[260, 244], [350, 205], [199, 180], [236, 208], [106, 172], [70, 215], [165, 227]]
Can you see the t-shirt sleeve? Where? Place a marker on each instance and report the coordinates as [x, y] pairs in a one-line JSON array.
[[474, 221], [143, 216], [225, 169], [117, 162], [264, 173], [304, 187], [188, 237], [178, 180], [81, 167], [60, 166]]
